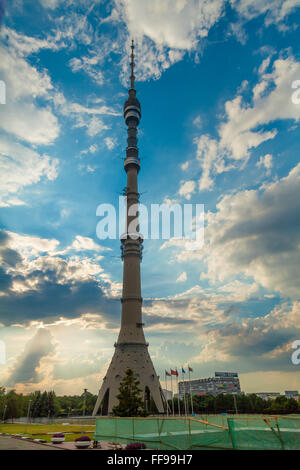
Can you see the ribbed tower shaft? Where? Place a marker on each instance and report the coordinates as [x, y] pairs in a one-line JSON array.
[[131, 349]]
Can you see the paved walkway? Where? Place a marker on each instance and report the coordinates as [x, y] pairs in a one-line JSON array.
[[9, 443]]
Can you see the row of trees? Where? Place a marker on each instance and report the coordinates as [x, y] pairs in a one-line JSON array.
[[243, 403], [43, 404], [47, 404], [131, 402]]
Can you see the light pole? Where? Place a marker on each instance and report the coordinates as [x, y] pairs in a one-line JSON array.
[[235, 404], [28, 414], [83, 411], [4, 413]]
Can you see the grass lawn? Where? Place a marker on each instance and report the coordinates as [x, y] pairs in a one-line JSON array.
[[39, 431]]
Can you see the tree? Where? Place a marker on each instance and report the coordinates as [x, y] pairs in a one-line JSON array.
[[13, 405], [43, 404], [53, 406], [2, 401], [291, 405], [36, 405], [130, 400]]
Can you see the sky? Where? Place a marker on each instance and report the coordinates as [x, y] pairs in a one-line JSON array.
[[220, 127]]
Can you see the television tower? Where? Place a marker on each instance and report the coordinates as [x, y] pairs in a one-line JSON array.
[[131, 349]]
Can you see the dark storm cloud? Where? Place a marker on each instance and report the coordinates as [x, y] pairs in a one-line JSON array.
[[231, 310], [5, 280], [52, 290], [253, 340], [261, 343], [257, 233], [52, 300], [156, 319], [25, 369], [4, 237], [7, 255], [10, 257]]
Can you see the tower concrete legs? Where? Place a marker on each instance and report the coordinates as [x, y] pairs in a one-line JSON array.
[[135, 357]]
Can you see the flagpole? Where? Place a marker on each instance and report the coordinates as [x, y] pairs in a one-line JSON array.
[[167, 393], [178, 393], [184, 400], [191, 389], [172, 395]]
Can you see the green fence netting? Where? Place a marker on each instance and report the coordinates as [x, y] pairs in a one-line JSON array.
[[274, 433], [196, 433]]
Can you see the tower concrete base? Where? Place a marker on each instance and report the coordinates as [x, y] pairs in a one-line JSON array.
[[134, 356]]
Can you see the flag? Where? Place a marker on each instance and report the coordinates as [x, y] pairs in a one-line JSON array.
[[190, 369], [174, 372], [182, 370], [167, 374]]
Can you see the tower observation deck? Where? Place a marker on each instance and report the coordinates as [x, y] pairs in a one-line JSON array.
[[131, 348]]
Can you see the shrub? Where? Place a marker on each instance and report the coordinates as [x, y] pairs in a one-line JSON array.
[[82, 439], [135, 446]]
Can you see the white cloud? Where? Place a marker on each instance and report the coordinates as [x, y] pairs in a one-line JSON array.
[[164, 31], [187, 188], [236, 133], [94, 126], [51, 4], [254, 233], [84, 116], [74, 28], [25, 45], [203, 307], [110, 142], [211, 158], [264, 65], [198, 122], [177, 24], [30, 245], [275, 10], [93, 148], [243, 128], [237, 30], [266, 161], [237, 291], [22, 116], [184, 166], [26, 367], [91, 169], [182, 277], [31, 124], [89, 66], [76, 108], [20, 167], [85, 243]]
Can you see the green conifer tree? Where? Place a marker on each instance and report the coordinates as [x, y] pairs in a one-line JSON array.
[[130, 399]]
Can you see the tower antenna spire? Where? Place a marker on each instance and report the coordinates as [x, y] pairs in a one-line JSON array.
[[132, 77]]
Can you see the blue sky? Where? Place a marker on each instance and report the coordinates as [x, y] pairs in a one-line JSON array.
[[218, 128]]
